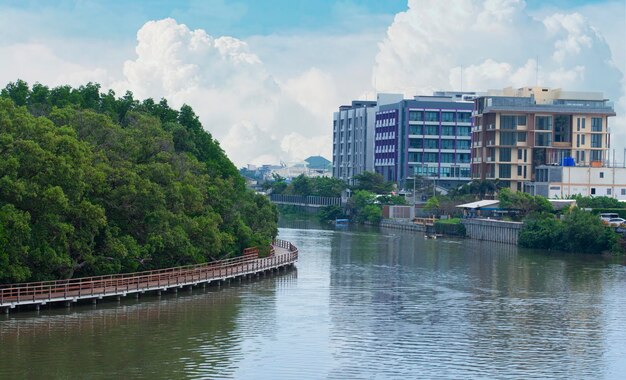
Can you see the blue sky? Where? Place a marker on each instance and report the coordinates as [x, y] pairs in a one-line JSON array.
[[277, 69], [241, 18]]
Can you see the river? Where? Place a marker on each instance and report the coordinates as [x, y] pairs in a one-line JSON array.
[[363, 303]]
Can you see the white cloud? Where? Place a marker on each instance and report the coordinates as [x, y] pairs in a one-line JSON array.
[[37, 62], [494, 44], [238, 101]]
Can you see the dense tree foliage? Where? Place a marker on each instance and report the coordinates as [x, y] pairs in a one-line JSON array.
[[303, 185], [579, 231], [524, 203], [598, 202], [372, 182], [479, 188], [364, 207], [94, 184]]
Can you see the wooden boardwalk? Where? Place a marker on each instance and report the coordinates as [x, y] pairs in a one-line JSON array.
[[283, 254]]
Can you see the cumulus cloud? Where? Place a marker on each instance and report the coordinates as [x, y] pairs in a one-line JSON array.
[[244, 107], [479, 45]]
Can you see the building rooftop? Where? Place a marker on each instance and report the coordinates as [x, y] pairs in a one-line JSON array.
[[542, 99]]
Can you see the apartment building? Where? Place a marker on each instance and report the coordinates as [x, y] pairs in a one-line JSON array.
[[425, 136], [517, 130], [352, 139]]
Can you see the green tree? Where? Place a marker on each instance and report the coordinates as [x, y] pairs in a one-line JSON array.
[[97, 184], [372, 182], [432, 204]]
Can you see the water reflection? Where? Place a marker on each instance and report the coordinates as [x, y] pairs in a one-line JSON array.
[[467, 308], [364, 303], [188, 334]]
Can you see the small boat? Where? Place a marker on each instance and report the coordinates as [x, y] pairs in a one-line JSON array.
[[341, 222], [430, 236]]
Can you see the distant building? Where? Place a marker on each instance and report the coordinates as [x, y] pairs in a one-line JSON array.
[[425, 136], [352, 139], [565, 181], [318, 163], [517, 130]]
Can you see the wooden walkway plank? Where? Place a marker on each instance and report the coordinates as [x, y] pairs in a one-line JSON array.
[[282, 254]]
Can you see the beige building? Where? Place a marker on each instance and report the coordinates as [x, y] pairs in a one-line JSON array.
[[517, 130], [565, 181]]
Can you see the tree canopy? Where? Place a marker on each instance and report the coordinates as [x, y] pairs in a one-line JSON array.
[[579, 231], [372, 182], [303, 185], [93, 184]]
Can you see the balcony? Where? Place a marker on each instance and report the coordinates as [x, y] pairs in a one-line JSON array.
[[491, 127], [491, 143]]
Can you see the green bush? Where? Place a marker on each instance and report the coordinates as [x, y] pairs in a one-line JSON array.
[[450, 227], [579, 231], [330, 213]]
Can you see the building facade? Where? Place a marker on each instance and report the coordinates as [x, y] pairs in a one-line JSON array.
[[565, 181], [426, 136], [352, 139], [517, 130]]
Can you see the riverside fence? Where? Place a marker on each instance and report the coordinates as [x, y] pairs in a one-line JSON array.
[[305, 201], [283, 254]]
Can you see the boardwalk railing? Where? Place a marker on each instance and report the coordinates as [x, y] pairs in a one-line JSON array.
[[282, 253], [306, 201]]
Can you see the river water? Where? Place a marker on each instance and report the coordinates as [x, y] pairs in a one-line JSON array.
[[363, 303]]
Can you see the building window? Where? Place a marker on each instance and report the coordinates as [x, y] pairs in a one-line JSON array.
[[432, 116], [596, 124], [464, 131], [416, 116], [578, 124], [601, 174], [519, 154], [431, 144], [507, 138], [577, 141], [596, 141], [582, 123], [447, 117], [512, 121], [543, 139], [464, 117], [463, 144], [505, 171], [432, 130], [416, 143], [416, 130], [521, 136], [447, 144], [505, 154], [447, 157], [463, 158], [593, 191], [608, 191], [519, 170], [623, 191], [543, 123], [447, 131], [562, 128]]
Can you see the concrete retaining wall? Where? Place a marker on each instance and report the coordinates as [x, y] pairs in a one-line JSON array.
[[492, 230]]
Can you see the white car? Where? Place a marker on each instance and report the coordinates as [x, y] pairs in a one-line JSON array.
[[616, 222]]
